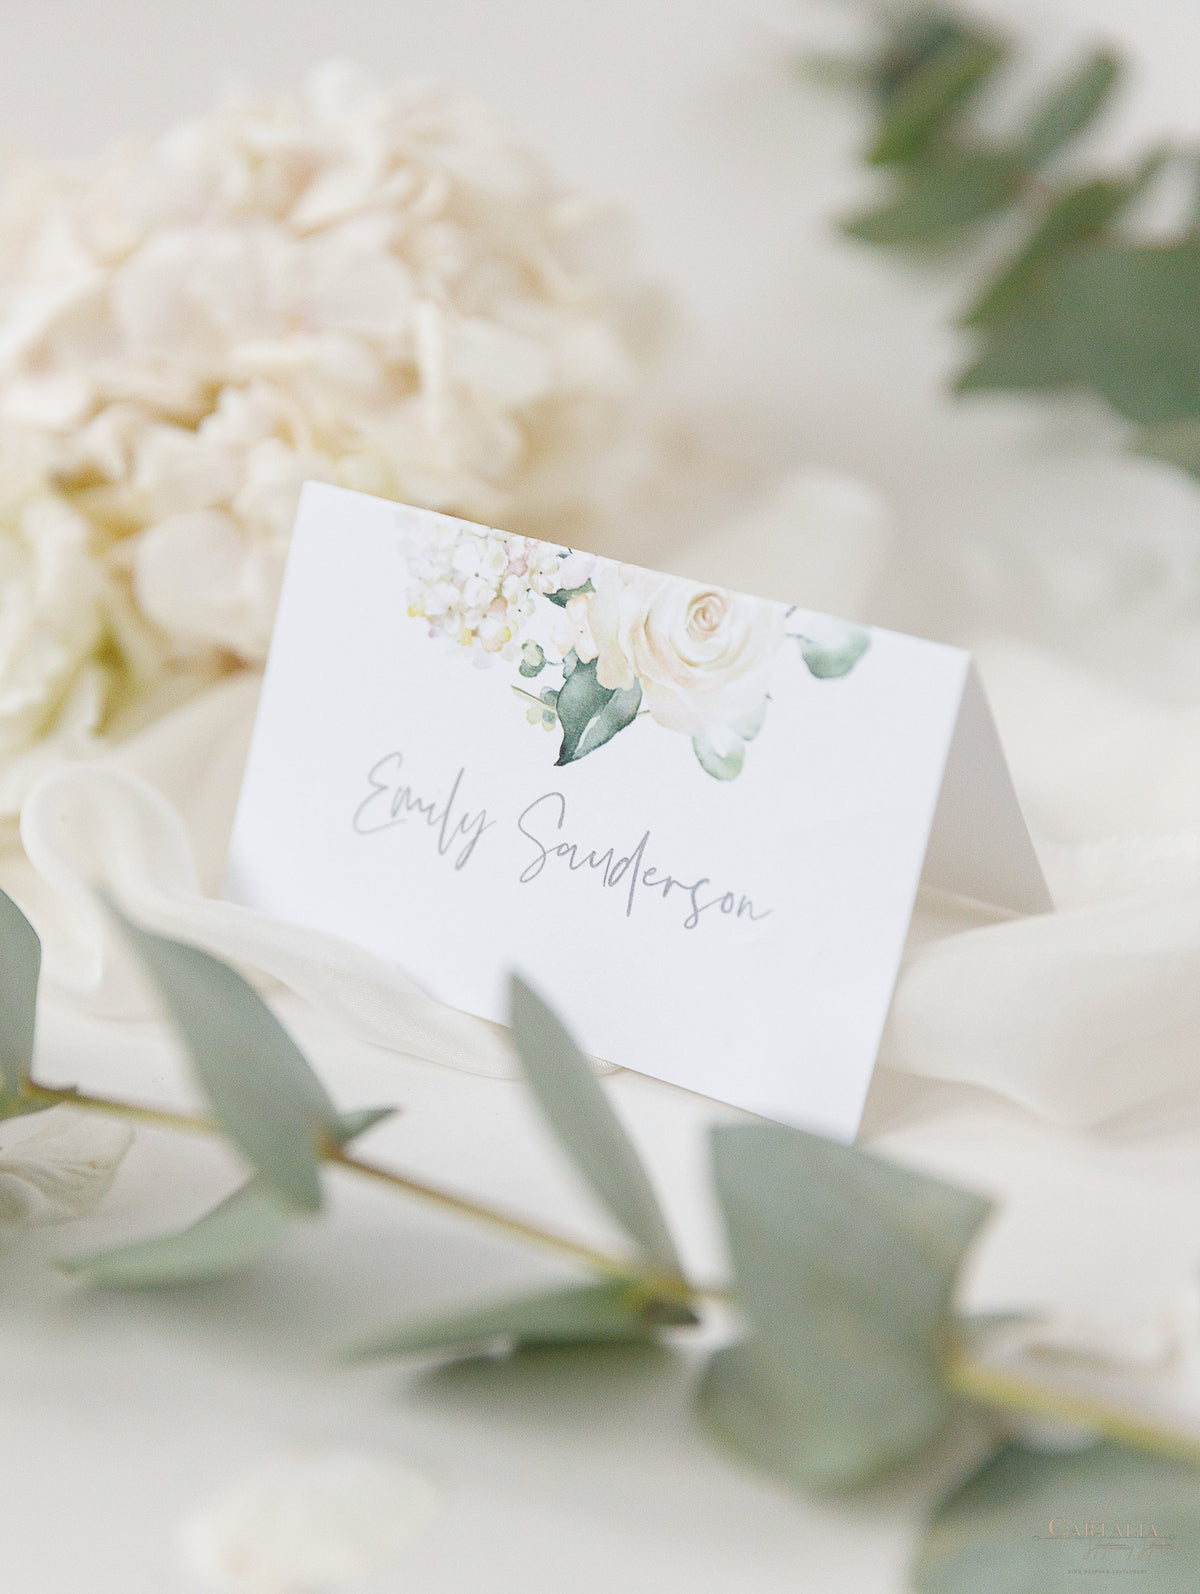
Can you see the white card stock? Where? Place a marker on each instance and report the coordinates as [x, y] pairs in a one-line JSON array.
[[694, 820]]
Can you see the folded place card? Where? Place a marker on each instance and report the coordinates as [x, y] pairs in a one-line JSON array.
[[695, 821]]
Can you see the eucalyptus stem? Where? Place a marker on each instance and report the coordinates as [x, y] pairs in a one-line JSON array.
[[465, 1206], [990, 1386], [972, 1379], [507, 1222], [157, 1117]]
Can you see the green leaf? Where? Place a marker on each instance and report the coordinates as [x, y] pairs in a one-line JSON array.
[[619, 1310], [845, 1267], [580, 1114], [1031, 349], [1069, 108], [954, 189], [1133, 314], [977, 1330], [352, 1124], [916, 36], [833, 648], [721, 752], [564, 594], [230, 1237], [1173, 442], [264, 1094], [591, 714], [1120, 319], [1028, 1521], [20, 965], [533, 660], [1073, 219], [923, 100]]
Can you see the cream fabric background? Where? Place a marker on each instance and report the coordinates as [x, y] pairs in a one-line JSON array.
[[1053, 1062]]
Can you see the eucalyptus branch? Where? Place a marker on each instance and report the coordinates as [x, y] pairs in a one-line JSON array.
[[1009, 1392], [1081, 302], [43, 1096], [967, 1376]]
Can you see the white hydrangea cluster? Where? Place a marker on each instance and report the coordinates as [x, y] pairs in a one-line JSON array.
[[379, 290], [480, 587]]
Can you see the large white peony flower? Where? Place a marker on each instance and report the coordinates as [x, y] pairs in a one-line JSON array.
[[701, 654], [375, 289]]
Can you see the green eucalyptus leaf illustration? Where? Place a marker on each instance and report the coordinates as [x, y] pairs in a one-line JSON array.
[[1030, 1520], [721, 751], [229, 1238], [20, 965], [264, 1094], [751, 724], [591, 714], [845, 1267], [533, 660], [1069, 108], [615, 1311], [831, 648], [564, 594], [580, 1114]]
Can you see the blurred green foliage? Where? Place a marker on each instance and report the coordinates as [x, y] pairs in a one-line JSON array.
[[1078, 301]]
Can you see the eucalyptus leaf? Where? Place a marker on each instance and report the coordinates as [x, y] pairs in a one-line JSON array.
[[831, 648], [845, 1267], [564, 594], [20, 966], [977, 1330], [229, 1238], [1132, 313], [917, 36], [923, 100], [618, 1310], [1032, 348], [264, 1094], [1072, 220], [1118, 318], [579, 1112], [533, 660], [352, 1124], [720, 751], [591, 714], [952, 190], [1069, 108], [1173, 442], [1028, 1521]]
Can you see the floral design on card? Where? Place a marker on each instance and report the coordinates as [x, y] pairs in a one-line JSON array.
[[619, 642]]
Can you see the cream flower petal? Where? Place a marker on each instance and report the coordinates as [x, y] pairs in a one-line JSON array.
[[375, 288]]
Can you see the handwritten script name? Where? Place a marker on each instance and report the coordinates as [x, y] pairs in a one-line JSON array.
[[457, 830], [393, 800], [545, 818]]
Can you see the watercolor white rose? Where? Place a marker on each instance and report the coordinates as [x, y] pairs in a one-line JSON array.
[[630, 642], [379, 289]]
